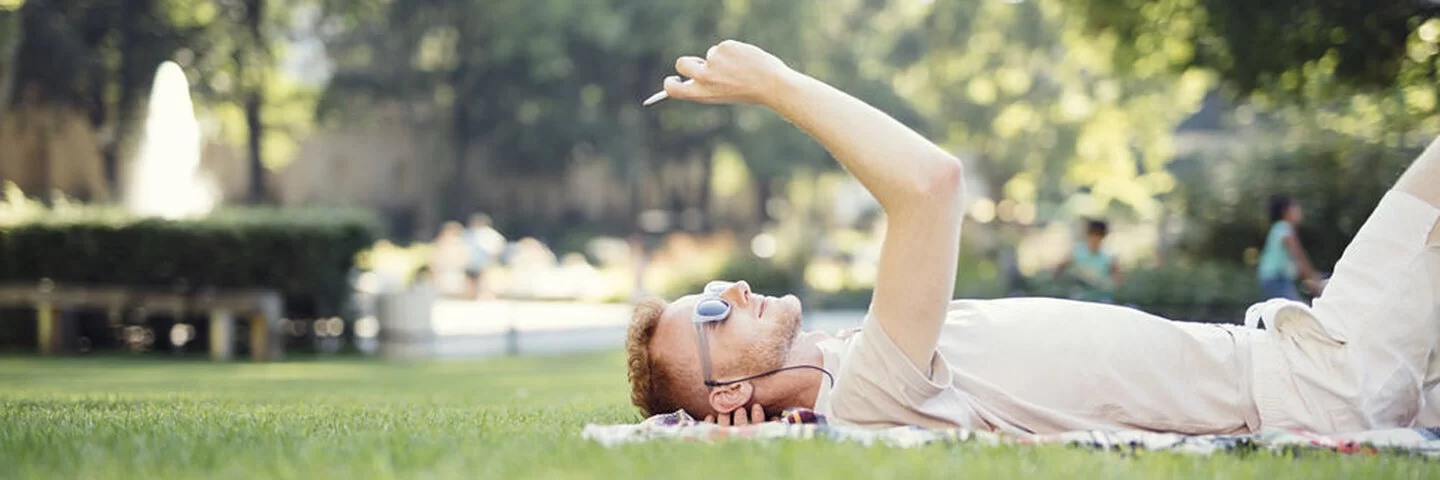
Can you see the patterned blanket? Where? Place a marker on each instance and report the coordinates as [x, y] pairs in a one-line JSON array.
[[802, 424]]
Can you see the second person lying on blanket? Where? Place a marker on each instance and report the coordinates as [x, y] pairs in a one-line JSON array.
[[1361, 358]]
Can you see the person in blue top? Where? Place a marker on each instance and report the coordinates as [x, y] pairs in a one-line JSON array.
[[1283, 261], [1095, 270]]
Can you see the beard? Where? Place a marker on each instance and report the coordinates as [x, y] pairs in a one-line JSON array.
[[771, 352]]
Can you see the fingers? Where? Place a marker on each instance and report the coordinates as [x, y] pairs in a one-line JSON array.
[[724, 45], [690, 66], [755, 415], [685, 90]]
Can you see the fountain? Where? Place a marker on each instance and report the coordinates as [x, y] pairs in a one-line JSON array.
[[165, 181]]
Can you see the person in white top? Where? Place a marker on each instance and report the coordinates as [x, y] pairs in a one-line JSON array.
[[1363, 357]]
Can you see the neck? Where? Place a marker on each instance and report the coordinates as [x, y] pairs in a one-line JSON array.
[[799, 387]]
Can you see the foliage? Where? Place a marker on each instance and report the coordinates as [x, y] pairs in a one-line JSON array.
[[764, 276], [845, 299], [977, 275], [510, 418], [1277, 46], [518, 87], [101, 56], [1067, 108], [306, 254], [1210, 291], [1034, 96], [1337, 184]]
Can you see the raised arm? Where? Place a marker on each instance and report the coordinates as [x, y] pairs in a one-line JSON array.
[[918, 184]]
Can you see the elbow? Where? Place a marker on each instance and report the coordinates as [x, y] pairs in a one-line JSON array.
[[937, 186], [944, 183]]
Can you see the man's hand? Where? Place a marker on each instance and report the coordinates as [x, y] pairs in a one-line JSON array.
[[731, 72], [740, 417]]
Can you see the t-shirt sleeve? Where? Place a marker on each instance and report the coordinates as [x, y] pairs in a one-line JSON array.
[[1278, 234], [880, 386]]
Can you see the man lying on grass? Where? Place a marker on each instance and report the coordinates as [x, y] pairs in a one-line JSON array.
[[1359, 359]]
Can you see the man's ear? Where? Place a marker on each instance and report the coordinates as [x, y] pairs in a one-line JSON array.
[[728, 398]]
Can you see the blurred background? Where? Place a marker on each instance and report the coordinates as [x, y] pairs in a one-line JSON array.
[[467, 177]]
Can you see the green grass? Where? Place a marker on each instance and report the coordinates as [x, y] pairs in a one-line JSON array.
[[512, 418]]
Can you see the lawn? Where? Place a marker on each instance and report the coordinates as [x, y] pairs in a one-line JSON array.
[[510, 418]]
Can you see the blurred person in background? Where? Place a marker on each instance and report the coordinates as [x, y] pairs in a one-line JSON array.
[[1092, 267], [449, 256], [1283, 259], [486, 245]]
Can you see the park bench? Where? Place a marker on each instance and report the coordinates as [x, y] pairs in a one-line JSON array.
[[260, 308]]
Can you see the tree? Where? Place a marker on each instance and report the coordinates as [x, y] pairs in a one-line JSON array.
[[1339, 96], [1272, 45], [522, 85], [1054, 126], [101, 56], [10, 36]]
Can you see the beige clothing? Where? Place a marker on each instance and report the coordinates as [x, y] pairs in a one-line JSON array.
[[1363, 355], [1043, 365], [1358, 360]]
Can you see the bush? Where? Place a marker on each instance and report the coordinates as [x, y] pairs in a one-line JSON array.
[[306, 254], [1211, 292], [1336, 183], [848, 299], [764, 276]]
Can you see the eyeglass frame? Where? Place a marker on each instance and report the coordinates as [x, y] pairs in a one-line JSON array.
[[712, 292]]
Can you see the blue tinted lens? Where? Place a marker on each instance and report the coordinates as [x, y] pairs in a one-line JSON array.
[[711, 308]]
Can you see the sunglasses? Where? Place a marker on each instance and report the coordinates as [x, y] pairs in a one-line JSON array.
[[712, 309], [709, 310]]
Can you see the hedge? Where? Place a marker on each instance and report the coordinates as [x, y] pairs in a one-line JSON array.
[[1203, 291], [305, 253]]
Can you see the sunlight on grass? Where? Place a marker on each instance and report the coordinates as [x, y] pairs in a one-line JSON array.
[[153, 418]]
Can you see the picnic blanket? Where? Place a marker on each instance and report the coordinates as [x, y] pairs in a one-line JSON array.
[[804, 424]]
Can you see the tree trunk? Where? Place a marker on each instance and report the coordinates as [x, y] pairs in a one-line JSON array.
[[138, 61], [460, 153], [254, 99], [11, 33], [256, 129], [706, 204], [463, 82], [763, 191]]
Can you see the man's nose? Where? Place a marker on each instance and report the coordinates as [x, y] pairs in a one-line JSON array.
[[738, 294]]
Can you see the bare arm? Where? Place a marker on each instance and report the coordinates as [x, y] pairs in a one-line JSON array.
[[918, 184], [1297, 253], [1060, 270]]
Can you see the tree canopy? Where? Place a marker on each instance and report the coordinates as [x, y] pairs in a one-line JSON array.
[[1070, 107]]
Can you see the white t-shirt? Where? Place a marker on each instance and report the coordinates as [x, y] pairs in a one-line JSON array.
[[1042, 365]]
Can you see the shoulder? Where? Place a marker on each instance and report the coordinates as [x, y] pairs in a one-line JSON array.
[[873, 360], [877, 382]]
